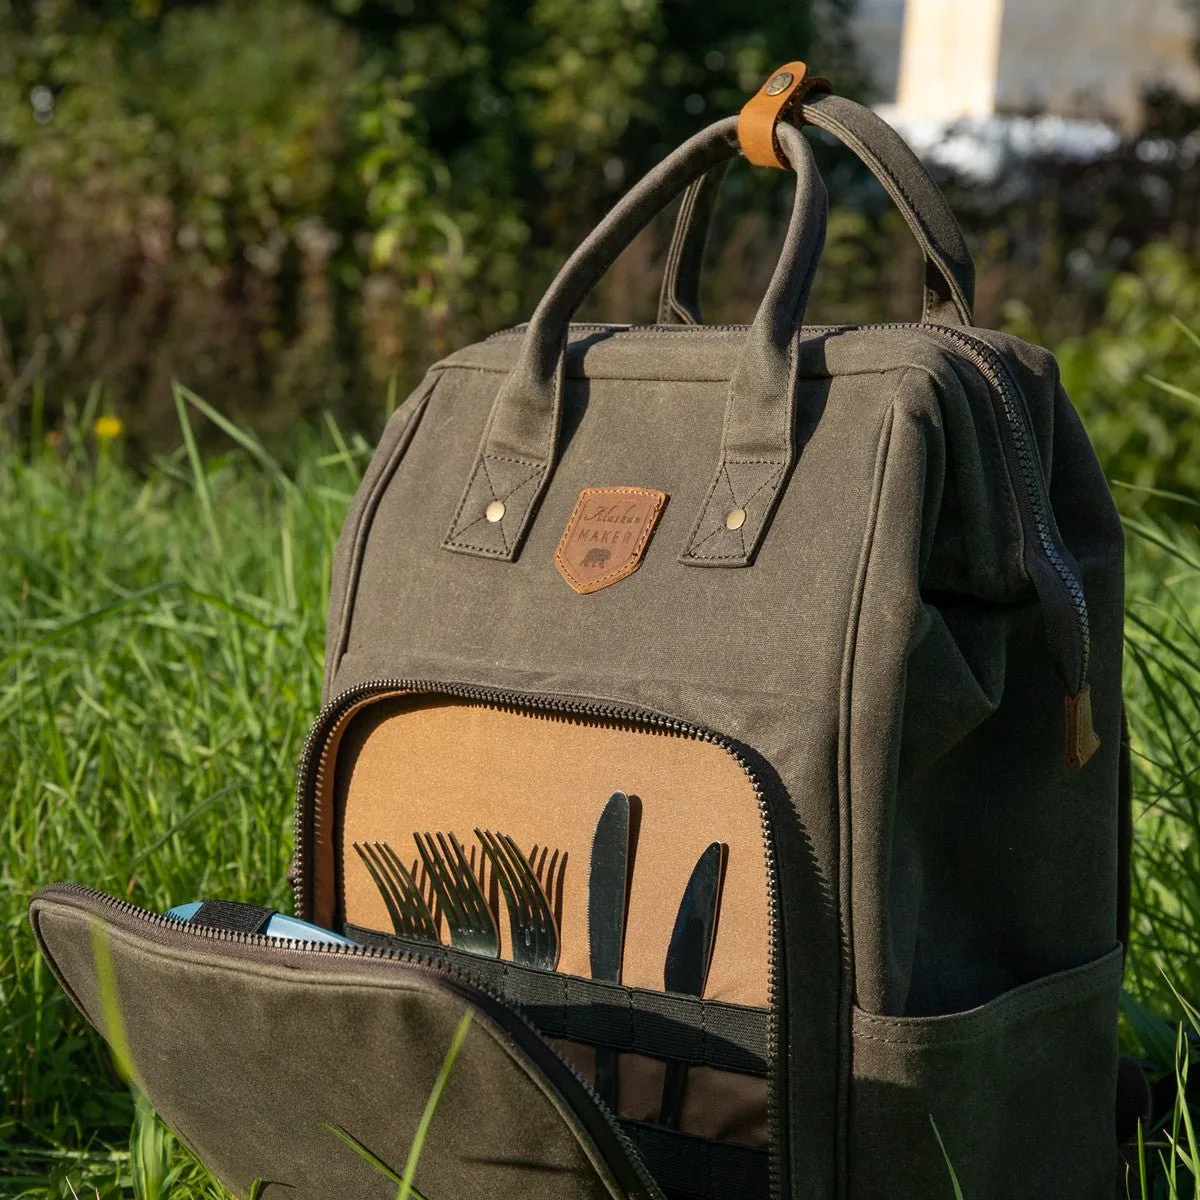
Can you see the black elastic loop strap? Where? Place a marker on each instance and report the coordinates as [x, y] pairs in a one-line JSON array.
[[687, 1167], [232, 915], [729, 1037]]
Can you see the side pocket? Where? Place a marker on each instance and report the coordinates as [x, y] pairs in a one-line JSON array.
[[397, 435], [1022, 1090]]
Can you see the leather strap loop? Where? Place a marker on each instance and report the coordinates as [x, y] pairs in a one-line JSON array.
[[772, 103]]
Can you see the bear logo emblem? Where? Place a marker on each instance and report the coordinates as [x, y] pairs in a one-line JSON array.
[[607, 535]]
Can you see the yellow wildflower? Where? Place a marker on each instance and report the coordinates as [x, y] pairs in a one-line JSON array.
[[107, 428]]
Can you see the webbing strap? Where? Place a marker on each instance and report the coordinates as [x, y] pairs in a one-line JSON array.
[[730, 1037], [232, 915], [687, 1167]]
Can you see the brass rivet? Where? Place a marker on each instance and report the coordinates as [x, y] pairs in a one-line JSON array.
[[495, 511], [775, 85], [736, 519]]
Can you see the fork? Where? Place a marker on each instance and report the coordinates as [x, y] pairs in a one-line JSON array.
[[530, 919], [460, 899], [406, 906]]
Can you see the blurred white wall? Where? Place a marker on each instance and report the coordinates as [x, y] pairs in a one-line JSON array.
[[949, 58], [878, 30], [1091, 59]]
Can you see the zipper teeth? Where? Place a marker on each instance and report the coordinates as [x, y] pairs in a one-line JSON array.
[[989, 364], [325, 725], [991, 367], [407, 957]]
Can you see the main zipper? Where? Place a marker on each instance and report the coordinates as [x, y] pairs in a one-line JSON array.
[[1030, 488], [412, 959], [314, 763]]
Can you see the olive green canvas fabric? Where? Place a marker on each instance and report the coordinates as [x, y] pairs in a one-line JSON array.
[[887, 578], [258, 1061]]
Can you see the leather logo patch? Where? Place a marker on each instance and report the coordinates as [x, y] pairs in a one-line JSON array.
[[607, 535]]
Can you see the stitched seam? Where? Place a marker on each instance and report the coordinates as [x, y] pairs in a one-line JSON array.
[[844, 825], [693, 551], [520, 485], [362, 530], [490, 549], [483, 462], [456, 533], [765, 483], [733, 500], [527, 462], [772, 482], [470, 488], [930, 243], [1006, 1010], [625, 335], [741, 529], [690, 550], [462, 504]]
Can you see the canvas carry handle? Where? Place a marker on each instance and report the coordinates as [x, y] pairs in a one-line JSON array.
[[520, 442], [949, 269]]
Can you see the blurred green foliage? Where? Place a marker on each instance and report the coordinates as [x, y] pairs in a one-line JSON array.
[[295, 205], [1135, 377], [288, 202]]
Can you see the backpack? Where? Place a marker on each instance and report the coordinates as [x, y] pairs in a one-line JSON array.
[[719, 776]]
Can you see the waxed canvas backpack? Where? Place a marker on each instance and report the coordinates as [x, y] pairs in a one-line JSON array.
[[727, 720]]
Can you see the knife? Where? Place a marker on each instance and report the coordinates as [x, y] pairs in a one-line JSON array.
[[608, 882], [689, 956]]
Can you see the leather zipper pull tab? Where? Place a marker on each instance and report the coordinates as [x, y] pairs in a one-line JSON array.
[[1082, 741]]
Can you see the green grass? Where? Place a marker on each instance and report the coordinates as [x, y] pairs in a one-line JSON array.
[[161, 637], [160, 658]]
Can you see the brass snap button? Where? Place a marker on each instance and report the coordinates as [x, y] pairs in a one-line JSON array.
[[775, 85], [495, 511], [737, 518]]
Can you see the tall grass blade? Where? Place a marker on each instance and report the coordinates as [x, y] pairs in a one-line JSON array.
[[1155, 1034], [150, 1148], [937, 1133], [110, 1007], [1144, 1187], [243, 437], [369, 1155], [199, 475], [407, 1190], [435, 1096]]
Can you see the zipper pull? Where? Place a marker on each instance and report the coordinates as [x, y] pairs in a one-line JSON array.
[[1082, 741]]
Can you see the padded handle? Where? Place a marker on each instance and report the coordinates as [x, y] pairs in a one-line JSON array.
[[520, 443], [949, 267]]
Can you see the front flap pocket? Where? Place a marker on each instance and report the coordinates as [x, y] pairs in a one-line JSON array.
[[257, 1054], [1021, 1090]]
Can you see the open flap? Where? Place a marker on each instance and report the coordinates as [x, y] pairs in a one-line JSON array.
[[250, 1051]]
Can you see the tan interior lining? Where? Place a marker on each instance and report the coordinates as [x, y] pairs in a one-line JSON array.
[[405, 763], [411, 763]]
